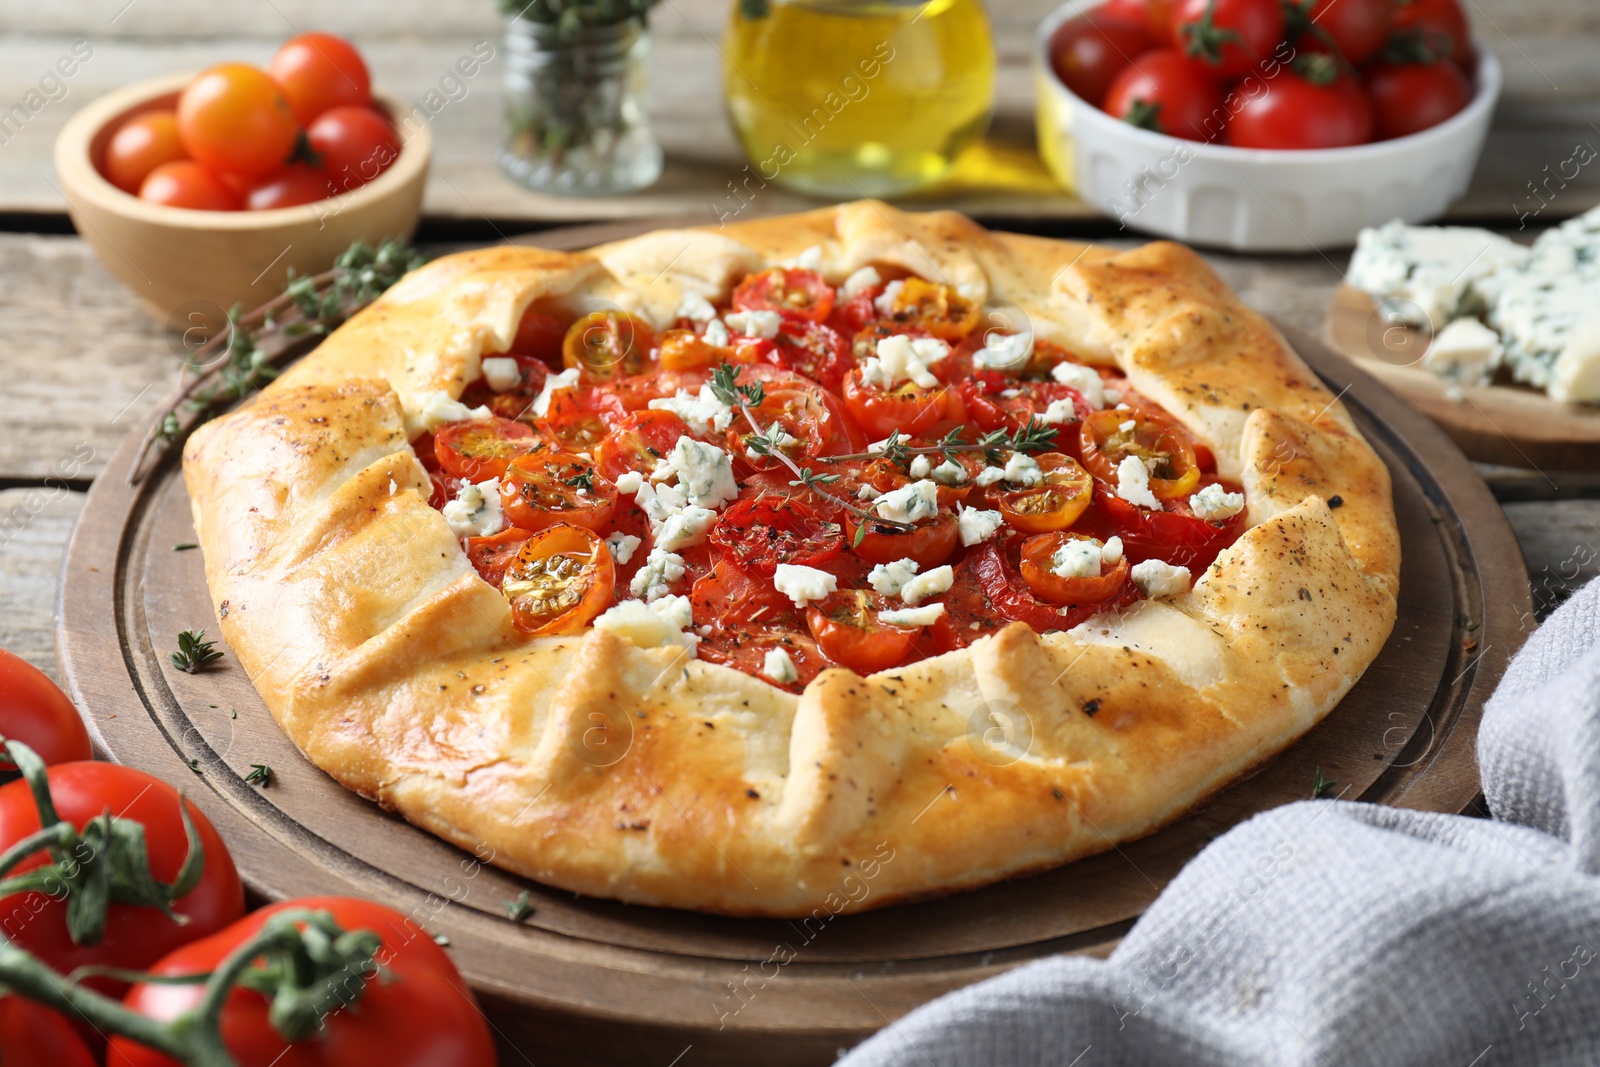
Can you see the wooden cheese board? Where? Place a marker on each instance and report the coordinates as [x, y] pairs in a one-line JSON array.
[[586, 981], [1504, 423]]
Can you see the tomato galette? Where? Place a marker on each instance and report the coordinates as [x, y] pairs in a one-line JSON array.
[[700, 568]]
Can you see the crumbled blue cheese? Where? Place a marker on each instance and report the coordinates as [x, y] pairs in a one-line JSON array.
[[1537, 304], [920, 467], [1575, 379], [716, 333], [1022, 469], [803, 585], [989, 475], [661, 571], [810, 259], [889, 578], [1133, 483], [686, 528], [1423, 276], [859, 282], [702, 411], [1465, 351], [628, 482], [926, 615], [1077, 558], [977, 526], [927, 584], [1215, 504], [623, 546], [885, 301], [1111, 551], [949, 473], [762, 324], [659, 502], [565, 380], [779, 667], [696, 309], [1058, 412], [1085, 380], [502, 373], [651, 625], [1158, 579], [867, 492], [901, 358], [475, 512], [440, 409], [705, 473], [909, 503], [1005, 351]]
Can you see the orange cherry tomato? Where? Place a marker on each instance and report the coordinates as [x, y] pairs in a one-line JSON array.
[[687, 350], [908, 407], [292, 186], [551, 488], [1106, 439], [849, 632], [561, 578], [939, 309], [185, 183], [1038, 561], [1055, 503], [581, 416], [140, 145], [639, 442], [480, 448], [609, 343], [930, 543], [796, 292], [318, 71], [233, 118]]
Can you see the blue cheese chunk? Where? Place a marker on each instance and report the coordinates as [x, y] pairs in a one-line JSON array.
[[661, 571], [1133, 483], [651, 625], [909, 503], [889, 578], [1423, 276], [762, 324], [1575, 379], [926, 615], [1085, 380], [439, 408], [779, 667], [977, 526], [803, 585], [1465, 351], [1215, 504], [1538, 304], [1158, 579], [475, 512], [928, 584], [501, 373], [705, 473]]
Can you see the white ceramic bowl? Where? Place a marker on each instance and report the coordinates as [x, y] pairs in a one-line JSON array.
[[1253, 200]]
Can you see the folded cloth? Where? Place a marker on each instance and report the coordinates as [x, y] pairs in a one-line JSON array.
[[1330, 933]]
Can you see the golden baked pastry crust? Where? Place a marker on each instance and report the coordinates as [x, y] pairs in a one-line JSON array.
[[645, 775]]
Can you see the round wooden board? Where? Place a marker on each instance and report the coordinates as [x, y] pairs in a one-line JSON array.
[[592, 981], [1508, 424]]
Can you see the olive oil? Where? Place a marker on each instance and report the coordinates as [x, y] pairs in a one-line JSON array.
[[845, 99]]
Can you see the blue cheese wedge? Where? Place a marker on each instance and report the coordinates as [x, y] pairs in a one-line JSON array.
[[1575, 379], [1539, 303], [1465, 351], [1424, 276]]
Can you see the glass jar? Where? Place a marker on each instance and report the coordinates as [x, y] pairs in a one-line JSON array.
[[849, 98], [574, 108]]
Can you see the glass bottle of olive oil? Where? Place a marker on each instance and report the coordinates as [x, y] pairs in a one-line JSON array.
[[848, 98]]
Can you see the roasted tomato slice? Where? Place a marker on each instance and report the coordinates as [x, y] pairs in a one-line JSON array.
[[939, 309], [682, 350], [851, 314], [481, 448], [492, 555], [560, 579], [639, 442], [748, 619], [786, 289], [930, 543], [514, 402], [1174, 535], [908, 407], [445, 487], [996, 402], [540, 335], [968, 612], [811, 418], [848, 631], [554, 487], [635, 394], [758, 533], [1106, 438], [885, 475], [607, 344], [993, 565], [819, 352], [581, 416], [1043, 553], [1063, 494]]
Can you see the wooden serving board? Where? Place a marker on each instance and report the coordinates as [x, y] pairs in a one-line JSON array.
[[587, 981], [1513, 425]]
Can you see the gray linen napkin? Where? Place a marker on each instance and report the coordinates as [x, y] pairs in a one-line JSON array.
[[1330, 933]]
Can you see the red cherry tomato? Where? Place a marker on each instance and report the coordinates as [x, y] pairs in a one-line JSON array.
[[355, 145], [33, 1034], [1089, 51], [551, 487], [318, 72], [850, 633], [1411, 97], [749, 619], [813, 418], [1225, 39], [930, 543], [1311, 104], [1038, 570], [1437, 26], [420, 1013], [185, 183], [581, 416], [796, 292], [1175, 534], [140, 145], [608, 344], [515, 402], [292, 186], [234, 119], [984, 395], [540, 334], [908, 408], [490, 556], [1162, 92], [135, 937], [639, 442], [35, 711], [758, 533], [994, 565], [479, 449], [1357, 28], [812, 349]]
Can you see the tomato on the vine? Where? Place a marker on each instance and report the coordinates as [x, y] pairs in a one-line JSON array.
[[31, 1034], [560, 579], [1315, 102], [355, 144], [1164, 93], [1408, 98], [789, 290], [1090, 50], [552, 487], [140, 145], [850, 633], [234, 119], [318, 72], [479, 449], [1225, 39], [35, 711], [760, 532]]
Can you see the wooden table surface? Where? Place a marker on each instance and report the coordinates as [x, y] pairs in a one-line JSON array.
[[82, 363]]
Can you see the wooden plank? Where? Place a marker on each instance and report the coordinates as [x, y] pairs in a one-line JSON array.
[[1561, 540], [34, 526], [1553, 90]]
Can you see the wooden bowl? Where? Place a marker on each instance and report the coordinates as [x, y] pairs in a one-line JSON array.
[[189, 266]]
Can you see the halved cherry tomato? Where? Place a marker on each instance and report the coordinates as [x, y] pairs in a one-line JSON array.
[[994, 565], [939, 309], [758, 533], [540, 334], [908, 407], [1038, 561], [1175, 535], [490, 556], [445, 487], [1055, 503], [748, 619], [812, 349], [513, 403], [687, 350], [639, 442], [796, 292], [851, 315], [968, 612], [635, 394], [1106, 439], [885, 475], [930, 543], [609, 343], [985, 396], [561, 578], [849, 632], [480, 448], [581, 416], [808, 413], [550, 487]]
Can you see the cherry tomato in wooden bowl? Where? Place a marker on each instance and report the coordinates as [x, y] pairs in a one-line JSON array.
[[354, 144], [140, 145], [234, 119], [318, 72]]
